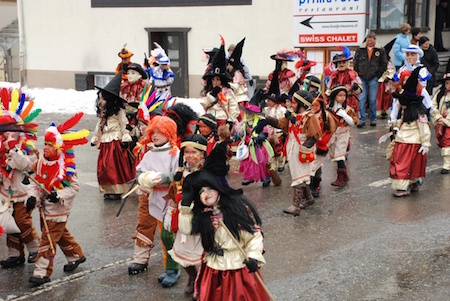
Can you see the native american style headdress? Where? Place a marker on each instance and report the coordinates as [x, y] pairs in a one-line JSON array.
[[16, 115], [63, 139]]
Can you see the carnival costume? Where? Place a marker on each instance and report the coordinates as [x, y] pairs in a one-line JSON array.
[[54, 189], [17, 154]]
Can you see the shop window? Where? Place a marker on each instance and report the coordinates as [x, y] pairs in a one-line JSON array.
[[388, 15]]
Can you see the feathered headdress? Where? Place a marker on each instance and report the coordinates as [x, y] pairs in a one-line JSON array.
[[345, 55], [64, 140], [16, 115]]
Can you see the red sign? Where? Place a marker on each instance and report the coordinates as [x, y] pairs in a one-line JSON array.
[[328, 38]]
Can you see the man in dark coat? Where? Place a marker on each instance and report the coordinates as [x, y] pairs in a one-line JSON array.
[[441, 15], [370, 62]]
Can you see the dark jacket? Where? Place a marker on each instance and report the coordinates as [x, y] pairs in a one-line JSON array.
[[430, 60], [375, 67]]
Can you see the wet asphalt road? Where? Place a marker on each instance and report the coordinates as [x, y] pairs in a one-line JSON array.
[[355, 243]]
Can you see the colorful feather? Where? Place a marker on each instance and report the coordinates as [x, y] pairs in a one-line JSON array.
[[14, 100], [32, 115], [75, 135], [21, 104], [222, 40], [5, 98], [27, 110], [70, 123], [345, 51]]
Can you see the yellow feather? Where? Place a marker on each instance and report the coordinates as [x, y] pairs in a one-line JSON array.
[[156, 104], [14, 100], [75, 135]]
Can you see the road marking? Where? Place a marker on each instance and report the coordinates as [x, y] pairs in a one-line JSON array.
[[93, 184], [367, 132], [388, 180]]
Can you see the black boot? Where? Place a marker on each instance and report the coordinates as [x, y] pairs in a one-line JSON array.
[[74, 264], [136, 268], [12, 262], [192, 272], [38, 280]]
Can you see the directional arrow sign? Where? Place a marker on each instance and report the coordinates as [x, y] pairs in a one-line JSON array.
[[308, 22]]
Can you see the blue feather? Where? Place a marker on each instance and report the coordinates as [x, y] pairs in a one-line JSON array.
[[346, 52], [21, 103]]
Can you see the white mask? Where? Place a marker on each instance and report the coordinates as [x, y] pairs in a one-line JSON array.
[[133, 76]]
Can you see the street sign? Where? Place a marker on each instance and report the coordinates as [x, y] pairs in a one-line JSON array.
[[326, 23]]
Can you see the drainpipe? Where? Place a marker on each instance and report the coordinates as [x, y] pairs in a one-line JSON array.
[[22, 48]]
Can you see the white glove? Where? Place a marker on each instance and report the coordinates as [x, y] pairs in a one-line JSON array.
[[149, 179], [423, 149], [345, 116]]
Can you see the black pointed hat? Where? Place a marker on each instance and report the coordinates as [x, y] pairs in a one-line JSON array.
[[113, 87], [235, 57], [447, 73], [253, 106], [211, 53], [409, 94], [274, 88], [218, 66]]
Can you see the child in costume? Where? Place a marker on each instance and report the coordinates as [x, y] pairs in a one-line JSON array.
[[115, 166], [347, 77], [303, 132], [328, 124], [154, 173], [255, 166], [220, 100], [412, 140], [286, 77], [207, 127], [441, 119], [162, 77], [17, 154], [125, 56], [339, 142], [55, 194], [186, 249], [226, 273]]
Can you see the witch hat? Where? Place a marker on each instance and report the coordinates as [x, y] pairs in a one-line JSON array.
[[211, 53], [253, 106], [409, 94], [219, 65], [113, 87], [235, 57], [274, 88]]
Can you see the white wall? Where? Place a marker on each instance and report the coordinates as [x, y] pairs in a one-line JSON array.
[[70, 35], [8, 13]]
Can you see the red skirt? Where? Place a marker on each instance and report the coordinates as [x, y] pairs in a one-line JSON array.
[[114, 165], [406, 162], [384, 100], [230, 285]]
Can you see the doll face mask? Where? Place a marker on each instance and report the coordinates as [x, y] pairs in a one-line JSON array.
[[133, 76]]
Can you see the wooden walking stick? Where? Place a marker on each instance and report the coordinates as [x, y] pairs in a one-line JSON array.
[[258, 277], [41, 211], [133, 187]]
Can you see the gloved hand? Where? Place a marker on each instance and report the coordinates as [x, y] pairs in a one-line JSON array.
[[52, 197], [125, 145], [31, 203], [355, 87], [178, 176], [258, 139], [260, 126], [252, 265], [423, 150], [215, 91], [251, 82], [345, 116], [290, 117]]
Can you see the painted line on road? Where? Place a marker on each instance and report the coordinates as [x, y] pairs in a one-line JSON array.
[[367, 132], [93, 184], [388, 180], [56, 283]]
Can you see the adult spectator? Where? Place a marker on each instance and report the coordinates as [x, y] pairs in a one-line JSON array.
[[416, 35], [430, 60], [370, 63], [441, 16], [401, 42]]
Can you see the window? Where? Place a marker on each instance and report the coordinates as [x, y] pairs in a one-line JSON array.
[[390, 14]]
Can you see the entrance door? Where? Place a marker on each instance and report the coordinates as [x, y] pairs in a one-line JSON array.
[[174, 42]]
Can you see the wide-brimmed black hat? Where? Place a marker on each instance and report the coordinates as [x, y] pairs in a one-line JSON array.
[[235, 57], [281, 57], [345, 55], [138, 68], [409, 93], [113, 87]]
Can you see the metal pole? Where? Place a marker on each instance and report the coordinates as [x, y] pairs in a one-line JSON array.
[[22, 48]]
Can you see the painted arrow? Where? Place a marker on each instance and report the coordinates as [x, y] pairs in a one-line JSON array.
[[308, 22]]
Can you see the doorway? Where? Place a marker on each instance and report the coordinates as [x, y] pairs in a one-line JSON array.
[[174, 42]]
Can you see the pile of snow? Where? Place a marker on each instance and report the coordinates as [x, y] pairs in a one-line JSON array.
[[52, 100]]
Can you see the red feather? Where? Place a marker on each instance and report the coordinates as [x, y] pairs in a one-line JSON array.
[[71, 143], [5, 98], [70, 123], [222, 40]]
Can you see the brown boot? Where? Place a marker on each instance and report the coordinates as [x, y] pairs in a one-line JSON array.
[[295, 207], [342, 178], [192, 272], [308, 198]]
